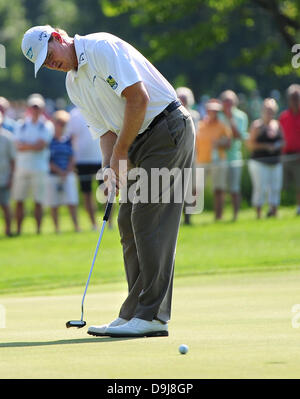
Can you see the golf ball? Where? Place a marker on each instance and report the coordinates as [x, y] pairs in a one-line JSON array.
[[183, 349]]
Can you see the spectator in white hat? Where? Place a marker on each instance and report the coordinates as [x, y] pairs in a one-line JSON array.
[[212, 140], [32, 163]]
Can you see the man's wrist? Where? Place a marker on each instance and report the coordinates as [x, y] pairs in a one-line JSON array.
[[120, 149]]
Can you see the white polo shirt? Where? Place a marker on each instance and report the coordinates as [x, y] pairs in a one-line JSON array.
[[106, 66], [29, 133]]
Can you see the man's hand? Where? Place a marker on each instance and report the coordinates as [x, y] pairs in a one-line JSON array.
[[115, 175]]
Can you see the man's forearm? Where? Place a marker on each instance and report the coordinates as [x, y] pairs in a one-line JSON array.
[[133, 119], [107, 142], [38, 146], [24, 147], [137, 99]]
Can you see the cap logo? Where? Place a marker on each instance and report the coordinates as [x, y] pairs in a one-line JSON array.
[[29, 53], [42, 35]]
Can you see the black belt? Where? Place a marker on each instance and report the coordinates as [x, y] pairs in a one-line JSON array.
[[171, 107]]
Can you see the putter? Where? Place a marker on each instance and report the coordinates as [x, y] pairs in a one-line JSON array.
[[81, 323]]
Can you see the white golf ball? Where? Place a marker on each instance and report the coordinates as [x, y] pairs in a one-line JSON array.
[[183, 349]]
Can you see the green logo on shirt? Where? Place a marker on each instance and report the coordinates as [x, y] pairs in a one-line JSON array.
[[111, 81]]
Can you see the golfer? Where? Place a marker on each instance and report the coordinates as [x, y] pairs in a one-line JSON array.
[[135, 112]]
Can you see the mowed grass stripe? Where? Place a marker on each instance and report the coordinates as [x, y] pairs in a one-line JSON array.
[[33, 263]]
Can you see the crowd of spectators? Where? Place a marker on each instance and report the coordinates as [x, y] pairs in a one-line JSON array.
[[47, 153], [40, 155], [271, 143]]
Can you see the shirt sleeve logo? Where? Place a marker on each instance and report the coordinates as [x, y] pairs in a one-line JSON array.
[[111, 81]]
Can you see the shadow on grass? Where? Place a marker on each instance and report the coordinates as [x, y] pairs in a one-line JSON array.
[[64, 342]]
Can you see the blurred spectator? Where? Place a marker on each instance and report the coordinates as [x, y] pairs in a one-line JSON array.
[[62, 185], [7, 122], [212, 139], [87, 157], [266, 142], [237, 120], [32, 162], [277, 97], [290, 124], [17, 110], [187, 99], [7, 164], [202, 106]]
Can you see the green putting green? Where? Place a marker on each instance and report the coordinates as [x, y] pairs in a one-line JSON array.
[[236, 326]]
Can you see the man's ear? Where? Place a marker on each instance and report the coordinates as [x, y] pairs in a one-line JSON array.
[[56, 36]]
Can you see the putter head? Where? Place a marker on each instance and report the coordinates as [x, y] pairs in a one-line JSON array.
[[75, 323]]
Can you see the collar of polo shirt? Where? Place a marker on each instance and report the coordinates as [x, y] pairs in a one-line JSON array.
[[80, 53]]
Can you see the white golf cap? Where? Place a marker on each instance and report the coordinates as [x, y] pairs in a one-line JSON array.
[[36, 100], [35, 45], [213, 105]]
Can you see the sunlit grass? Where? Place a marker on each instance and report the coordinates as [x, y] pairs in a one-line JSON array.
[[32, 262]]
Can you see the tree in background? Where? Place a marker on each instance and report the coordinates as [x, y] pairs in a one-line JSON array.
[[75, 16], [243, 44], [12, 25], [209, 45]]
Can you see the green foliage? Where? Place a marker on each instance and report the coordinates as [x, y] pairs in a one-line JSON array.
[[214, 44], [53, 15], [247, 83], [259, 31], [12, 25]]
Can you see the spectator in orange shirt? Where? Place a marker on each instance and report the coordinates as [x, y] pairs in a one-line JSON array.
[[212, 139]]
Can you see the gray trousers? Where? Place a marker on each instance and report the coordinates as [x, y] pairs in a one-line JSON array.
[[149, 230]]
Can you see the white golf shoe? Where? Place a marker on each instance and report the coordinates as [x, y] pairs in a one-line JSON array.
[[100, 331], [139, 328]]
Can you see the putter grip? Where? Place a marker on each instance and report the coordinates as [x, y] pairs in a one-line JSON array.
[[109, 205]]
